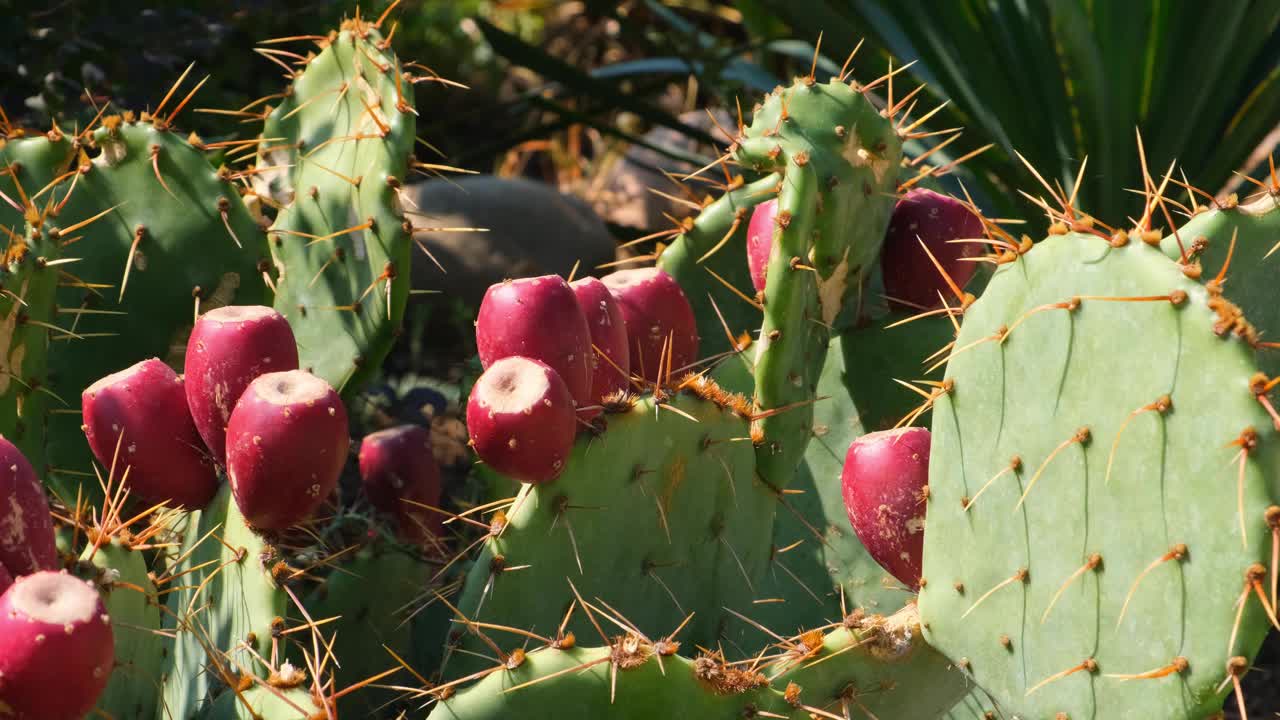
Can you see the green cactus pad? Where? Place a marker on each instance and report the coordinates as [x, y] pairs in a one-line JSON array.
[[1138, 330], [227, 598], [1250, 279], [263, 703], [838, 158], [873, 665], [134, 608], [372, 596], [340, 143], [661, 510], [27, 292]]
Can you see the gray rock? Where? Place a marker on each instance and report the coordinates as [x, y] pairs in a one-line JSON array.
[[532, 230]]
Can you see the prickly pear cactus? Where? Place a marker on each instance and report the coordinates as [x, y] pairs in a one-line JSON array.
[[672, 479], [1235, 245], [130, 596], [817, 561], [336, 151], [226, 603], [838, 160], [709, 261], [1100, 480], [28, 285], [143, 233], [871, 664], [821, 156]]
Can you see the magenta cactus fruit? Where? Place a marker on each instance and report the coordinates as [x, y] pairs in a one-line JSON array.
[[286, 445], [56, 648], [537, 318], [760, 240], [659, 320], [161, 449], [398, 470], [521, 419], [883, 483], [608, 335], [26, 528], [228, 348], [934, 219]]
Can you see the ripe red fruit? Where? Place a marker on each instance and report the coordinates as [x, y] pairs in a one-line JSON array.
[[935, 219], [161, 448], [660, 321], [396, 465], [521, 420], [760, 240], [537, 318], [608, 335], [26, 528], [883, 483], [228, 348], [56, 648], [286, 445]]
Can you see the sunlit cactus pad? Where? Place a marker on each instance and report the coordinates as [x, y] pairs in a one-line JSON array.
[[1098, 575]]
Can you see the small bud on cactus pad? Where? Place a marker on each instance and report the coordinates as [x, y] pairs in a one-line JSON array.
[[56, 648], [537, 318], [228, 348], [658, 315], [521, 419], [883, 483], [935, 219], [608, 334], [286, 445], [760, 240], [161, 449], [26, 529], [396, 465]]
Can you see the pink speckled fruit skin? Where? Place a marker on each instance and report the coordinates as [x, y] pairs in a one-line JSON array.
[[228, 348], [396, 465], [53, 671], [6, 579], [608, 335], [537, 318], [936, 219], [26, 528], [760, 240], [530, 446], [284, 454], [164, 453], [657, 314], [883, 483]]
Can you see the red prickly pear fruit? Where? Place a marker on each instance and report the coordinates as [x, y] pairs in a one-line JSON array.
[[398, 470], [6, 579], [286, 445], [760, 240], [165, 458], [56, 648], [26, 528], [936, 219], [883, 482], [521, 419], [608, 335], [658, 316], [228, 348], [537, 318]]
